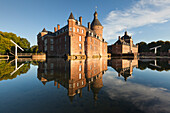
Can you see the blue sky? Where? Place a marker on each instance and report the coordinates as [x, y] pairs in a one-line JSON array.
[[145, 20]]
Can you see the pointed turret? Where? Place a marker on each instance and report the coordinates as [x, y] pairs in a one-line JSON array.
[[44, 30], [71, 16]]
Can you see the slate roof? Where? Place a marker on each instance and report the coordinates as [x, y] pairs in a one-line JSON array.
[[44, 30], [71, 16], [95, 21]]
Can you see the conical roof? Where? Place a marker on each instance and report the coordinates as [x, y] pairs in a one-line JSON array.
[[71, 16], [44, 30], [95, 20]]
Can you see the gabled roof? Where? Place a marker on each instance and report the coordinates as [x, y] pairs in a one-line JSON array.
[[71, 16]]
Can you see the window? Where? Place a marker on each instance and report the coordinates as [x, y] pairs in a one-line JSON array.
[[90, 46], [65, 38], [79, 38], [82, 83], [45, 41], [77, 84], [51, 65], [70, 29], [73, 29], [82, 31], [78, 30], [80, 67], [51, 41], [52, 72], [80, 76], [51, 48], [80, 46], [92, 34]]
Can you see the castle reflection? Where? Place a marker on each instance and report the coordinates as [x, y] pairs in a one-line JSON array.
[[124, 67], [74, 74]]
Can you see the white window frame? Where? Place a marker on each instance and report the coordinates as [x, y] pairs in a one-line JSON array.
[[80, 67], [80, 38], [80, 76], [80, 46]]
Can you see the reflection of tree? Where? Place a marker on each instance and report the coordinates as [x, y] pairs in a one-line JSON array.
[[7, 68], [142, 65], [35, 63], [162, 63]]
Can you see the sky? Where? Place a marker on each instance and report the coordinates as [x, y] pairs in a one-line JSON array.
[[145, 20]]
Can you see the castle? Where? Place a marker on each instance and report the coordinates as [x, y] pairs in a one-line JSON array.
[[74, 40], [124, 46]]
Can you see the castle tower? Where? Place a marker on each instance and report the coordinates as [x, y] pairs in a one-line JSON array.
[[97, 27], [71, 24]]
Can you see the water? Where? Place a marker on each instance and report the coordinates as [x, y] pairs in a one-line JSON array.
[[93, 85]]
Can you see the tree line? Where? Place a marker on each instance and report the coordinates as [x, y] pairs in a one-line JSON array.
[[144, 47], [6, 47]]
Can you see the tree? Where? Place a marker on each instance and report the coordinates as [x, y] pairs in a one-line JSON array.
[[6, 46]]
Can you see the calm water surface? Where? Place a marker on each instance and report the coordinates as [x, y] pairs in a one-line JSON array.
[[85, 86]]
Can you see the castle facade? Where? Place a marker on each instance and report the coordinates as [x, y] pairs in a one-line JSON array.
[[74, 40]]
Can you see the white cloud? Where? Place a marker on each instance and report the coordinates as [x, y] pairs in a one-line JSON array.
[[146, 98], [143, 12]]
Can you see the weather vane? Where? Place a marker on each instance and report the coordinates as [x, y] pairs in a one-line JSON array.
[[96, 8]]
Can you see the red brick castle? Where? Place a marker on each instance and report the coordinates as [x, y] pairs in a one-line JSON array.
[[74, 40]]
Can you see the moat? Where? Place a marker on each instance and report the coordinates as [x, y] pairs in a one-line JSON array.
[[85, 86]]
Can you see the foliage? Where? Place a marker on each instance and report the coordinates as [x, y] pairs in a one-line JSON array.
[[6, 46], [34, 49], [6, 68], [144, 47]]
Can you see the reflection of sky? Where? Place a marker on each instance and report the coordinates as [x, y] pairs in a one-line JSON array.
[[146, 90], [27, 93]]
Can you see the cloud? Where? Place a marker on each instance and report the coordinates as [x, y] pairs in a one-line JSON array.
[[145, 98], [143, 12]]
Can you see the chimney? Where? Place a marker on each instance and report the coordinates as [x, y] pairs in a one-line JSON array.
[[55, 29], [80, 19], [119, 37], [89, 25], [58, 27]]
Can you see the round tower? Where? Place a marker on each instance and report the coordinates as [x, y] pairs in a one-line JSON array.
[[97, 26]]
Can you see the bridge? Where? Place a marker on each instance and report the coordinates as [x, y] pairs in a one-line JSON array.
[[155, 48]]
